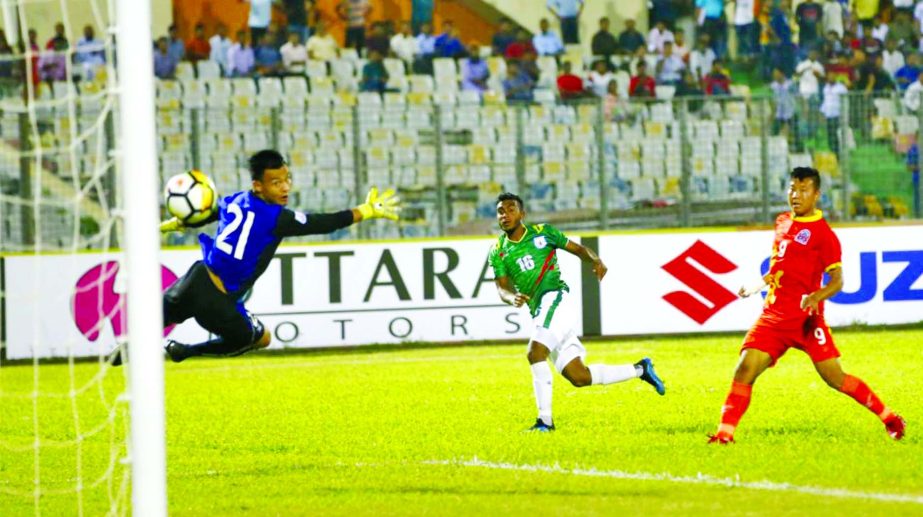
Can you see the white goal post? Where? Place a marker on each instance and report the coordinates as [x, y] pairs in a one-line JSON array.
[[140, 187]]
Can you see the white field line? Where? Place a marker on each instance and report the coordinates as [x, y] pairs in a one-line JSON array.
[[699, 479]]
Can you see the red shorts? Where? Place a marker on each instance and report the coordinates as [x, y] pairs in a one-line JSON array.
[[813, 338]]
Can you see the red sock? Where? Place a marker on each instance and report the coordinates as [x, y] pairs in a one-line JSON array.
[[855, 388], [735, 406]]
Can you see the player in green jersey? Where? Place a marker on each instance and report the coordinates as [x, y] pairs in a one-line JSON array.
[[527, 273]]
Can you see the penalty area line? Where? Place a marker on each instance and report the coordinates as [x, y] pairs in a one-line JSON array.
[[699, 479]]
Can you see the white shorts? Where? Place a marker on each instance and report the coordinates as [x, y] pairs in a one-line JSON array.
[[554, 327]]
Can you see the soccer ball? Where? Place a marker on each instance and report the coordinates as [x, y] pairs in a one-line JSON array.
[[191, 197]]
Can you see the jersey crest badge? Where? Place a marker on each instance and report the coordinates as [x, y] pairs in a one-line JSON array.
[[803, 236], [539, 242], [301, 217]]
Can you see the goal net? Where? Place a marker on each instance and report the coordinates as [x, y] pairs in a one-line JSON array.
[[79, 267]]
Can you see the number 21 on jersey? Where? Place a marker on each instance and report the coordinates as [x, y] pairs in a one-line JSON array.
[[237, 216], [526, 263]]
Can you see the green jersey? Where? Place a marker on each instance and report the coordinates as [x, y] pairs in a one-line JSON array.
[[531, 262]]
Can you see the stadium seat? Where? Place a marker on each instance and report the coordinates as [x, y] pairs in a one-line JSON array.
[[315, 68], [185, 71], [544, 96], [642, 189], [421, 83], [207, 69], [664, 91]]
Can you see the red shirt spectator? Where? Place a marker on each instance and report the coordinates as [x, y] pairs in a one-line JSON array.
[[641, 85], [197, 48], [716, 82], [518, 48], [569, 85]]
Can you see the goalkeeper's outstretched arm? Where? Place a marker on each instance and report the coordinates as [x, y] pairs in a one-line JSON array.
[[384, 205], [173, 224]]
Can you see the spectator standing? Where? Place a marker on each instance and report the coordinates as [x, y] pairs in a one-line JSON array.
[[892, 58], [599, 78], [630, 39], [809, 15], [670, 66], [34, 48], [164, 61], [378, 40], [717, 82], [872, 77], [517, 86], [475, 73], [53, 61], [662, 11], [701, 58], [710, 14], [902, 31], [570, 86], [689, 87], [568, 14], [404, 44], [615, 107], [913, 94], [426, 42], [258, 19], [374, 74], [832, 17], [297, 13], [783, 98], [603, 42], [503, 37], [865, 11], [176, 46], [220, 46], [657, 36], [746, 28], [6, 64], [197, 48], [294, 54], [913, 167], [809, 73], [641, 85], [266, 57], [354, 13], [830, 107], [90, 53], [321, 45], [546, 42], [679, 44], [909, 72], [879, 29]]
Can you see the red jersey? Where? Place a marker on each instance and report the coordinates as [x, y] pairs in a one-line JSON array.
[[804, 249]]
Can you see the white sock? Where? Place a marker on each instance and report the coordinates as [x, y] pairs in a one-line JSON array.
[[541, 382], [611, 374]]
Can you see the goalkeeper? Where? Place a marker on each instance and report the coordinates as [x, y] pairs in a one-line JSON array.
[[251, 224]]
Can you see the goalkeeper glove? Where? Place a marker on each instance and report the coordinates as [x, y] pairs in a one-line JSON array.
[[171, 225], [385, 205]]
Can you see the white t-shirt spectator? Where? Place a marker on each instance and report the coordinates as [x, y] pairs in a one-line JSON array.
[[832, 19], [219, 50], [405, 47], [700, 62], [260, 14], [912, 96], [656, 39], [892, 61], [323, 48], [918, 14], [743, 12], [881, 32], [808, 72], [599, 83], [671, 69], [830, 106], [547, 44], [903, 3], [294, 56]]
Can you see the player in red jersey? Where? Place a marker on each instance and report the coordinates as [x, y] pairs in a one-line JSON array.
[[793, 315]]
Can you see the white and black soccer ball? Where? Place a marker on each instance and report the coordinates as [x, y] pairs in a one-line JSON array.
[[191, 197]]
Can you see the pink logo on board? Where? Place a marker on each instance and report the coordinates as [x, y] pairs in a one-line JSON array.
[[95, 300]]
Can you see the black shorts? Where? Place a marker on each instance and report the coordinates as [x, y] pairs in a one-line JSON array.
[[194, 295]]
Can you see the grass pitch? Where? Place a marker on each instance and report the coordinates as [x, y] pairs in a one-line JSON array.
[[440, 431]]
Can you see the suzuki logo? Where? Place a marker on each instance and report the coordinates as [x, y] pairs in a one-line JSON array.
[[96, 300], [704, 286]]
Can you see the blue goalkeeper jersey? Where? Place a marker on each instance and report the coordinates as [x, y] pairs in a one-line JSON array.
[[250, 230]]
